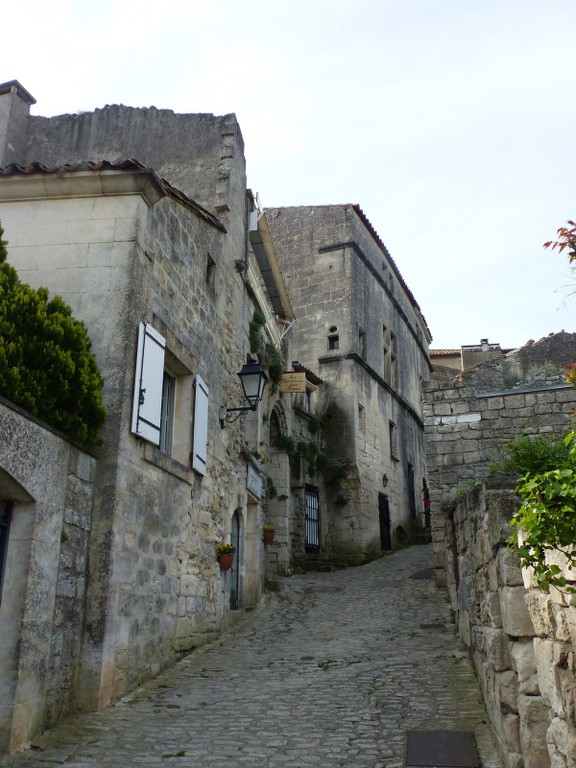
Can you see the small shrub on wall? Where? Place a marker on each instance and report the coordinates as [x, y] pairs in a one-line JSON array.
[[46, 365], [546, 522]]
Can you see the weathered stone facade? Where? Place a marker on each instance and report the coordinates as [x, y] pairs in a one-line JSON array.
[[523, 640], [128, 251], [46, 497], [168, 259], [361, 329], [471, 416]]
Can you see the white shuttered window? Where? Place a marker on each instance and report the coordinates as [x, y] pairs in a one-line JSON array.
[[148, 381], [162, 406], [200, 440]]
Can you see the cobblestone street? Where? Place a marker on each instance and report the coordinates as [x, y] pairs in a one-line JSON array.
[[333, 670]]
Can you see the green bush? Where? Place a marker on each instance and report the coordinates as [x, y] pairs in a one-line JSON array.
[[46, 365], [531, 453], [546, 520]]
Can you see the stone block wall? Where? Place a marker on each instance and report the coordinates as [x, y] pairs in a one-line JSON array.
[[49, 484], [467, 424], [522, 640]]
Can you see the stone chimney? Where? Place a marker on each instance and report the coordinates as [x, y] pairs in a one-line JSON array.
[[15, 103]]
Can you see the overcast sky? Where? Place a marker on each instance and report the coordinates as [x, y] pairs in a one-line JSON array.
[[451, 123]]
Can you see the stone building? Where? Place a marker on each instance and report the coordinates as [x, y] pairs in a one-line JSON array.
[[166, 259], [467, 356], [361, 329], [141, 220]]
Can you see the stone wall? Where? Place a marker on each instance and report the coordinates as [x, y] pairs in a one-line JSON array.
[[470, 417], [49, 484], [522, 640]]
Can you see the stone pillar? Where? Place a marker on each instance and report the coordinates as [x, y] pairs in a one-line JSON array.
[[15, 103]]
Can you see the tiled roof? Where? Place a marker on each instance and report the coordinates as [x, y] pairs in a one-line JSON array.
[[122, 165], [310, 375]]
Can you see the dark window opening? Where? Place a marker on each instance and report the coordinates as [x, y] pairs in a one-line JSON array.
[[167, 418], [362, 343]]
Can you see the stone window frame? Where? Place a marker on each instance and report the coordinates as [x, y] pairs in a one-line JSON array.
[[168, 383], [362, 342], [393, 436], [389, 356], [333, 341], [361, 418]]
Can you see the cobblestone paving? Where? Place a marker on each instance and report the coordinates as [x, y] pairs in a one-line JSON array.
[[331, 671]]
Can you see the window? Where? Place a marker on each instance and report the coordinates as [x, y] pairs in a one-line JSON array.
[[393, 440], [333, 338], [361, 418], [210, 271], [162, 411], [362, 343], [307, 400], [5, 514], [167, 413], [312, 522], [389, 356]]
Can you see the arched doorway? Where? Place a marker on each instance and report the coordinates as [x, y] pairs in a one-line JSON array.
[[235, 573]]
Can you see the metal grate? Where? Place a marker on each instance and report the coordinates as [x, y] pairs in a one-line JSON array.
[[312, 523], [442, 749]]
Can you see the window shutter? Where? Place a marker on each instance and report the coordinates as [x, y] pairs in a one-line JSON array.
[[200, 440], [147, 404]]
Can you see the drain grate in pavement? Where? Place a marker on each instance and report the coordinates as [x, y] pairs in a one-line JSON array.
[[324, 590], [427, 573], [442, 749]]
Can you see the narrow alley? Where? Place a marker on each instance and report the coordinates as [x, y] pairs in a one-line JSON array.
[[336, 669]]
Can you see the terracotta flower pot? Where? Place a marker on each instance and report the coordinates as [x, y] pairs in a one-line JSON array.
[[268, 537], [226, 561]]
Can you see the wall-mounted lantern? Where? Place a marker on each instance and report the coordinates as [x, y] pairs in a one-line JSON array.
[[385, 480], [253, 381]]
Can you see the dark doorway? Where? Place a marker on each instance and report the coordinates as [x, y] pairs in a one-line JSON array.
[[384, 515], [312, 522], [235, 571], [411, 491]]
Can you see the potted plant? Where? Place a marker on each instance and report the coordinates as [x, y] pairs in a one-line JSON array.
[[268, 532], [225, 555]]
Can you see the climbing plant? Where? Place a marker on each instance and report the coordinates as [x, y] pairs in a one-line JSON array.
[[46, 365], [255, 337], [546, 521]]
